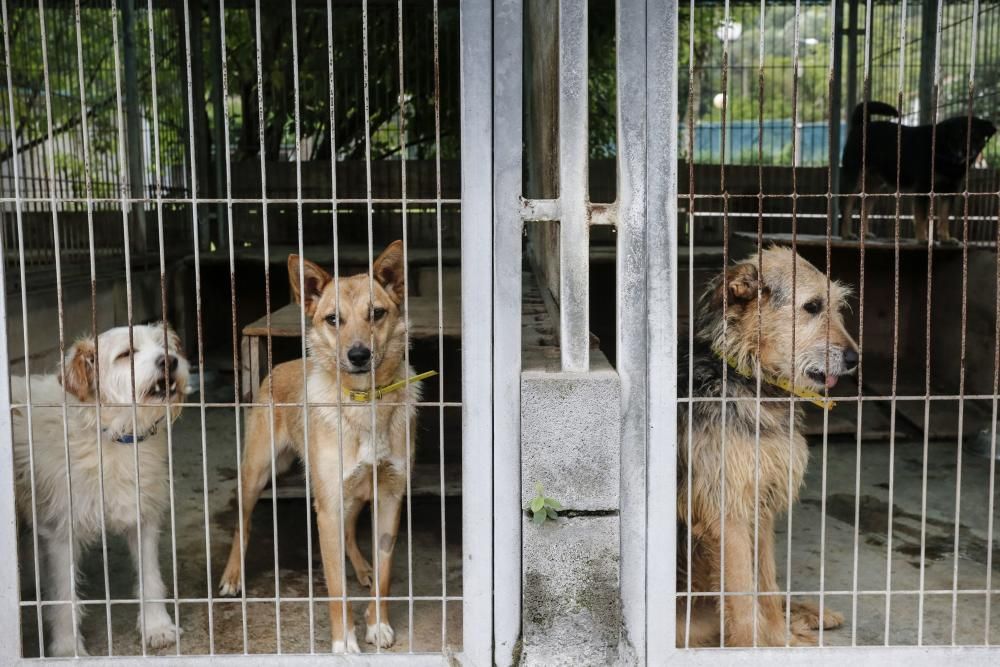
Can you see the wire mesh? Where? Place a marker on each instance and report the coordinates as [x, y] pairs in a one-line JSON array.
[[159, 163]]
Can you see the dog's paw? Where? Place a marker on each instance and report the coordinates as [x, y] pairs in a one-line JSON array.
[[380, 634], [66, 647], [162, 635], [807, 613], [363, 571], [229, 585], [348, 646]]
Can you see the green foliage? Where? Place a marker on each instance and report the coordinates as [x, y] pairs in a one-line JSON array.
[[542, 507]]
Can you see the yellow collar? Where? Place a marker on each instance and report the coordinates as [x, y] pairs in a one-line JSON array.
[[364, 396], [813, 397]]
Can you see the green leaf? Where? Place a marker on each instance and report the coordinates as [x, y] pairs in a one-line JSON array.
[[538, 518], [551, 513], [537, 503], [553, 503], [538, 488]]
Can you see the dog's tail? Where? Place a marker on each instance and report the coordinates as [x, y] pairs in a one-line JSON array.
[[874, 109]]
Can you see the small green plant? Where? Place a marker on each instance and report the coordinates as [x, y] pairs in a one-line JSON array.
[[543, 508]]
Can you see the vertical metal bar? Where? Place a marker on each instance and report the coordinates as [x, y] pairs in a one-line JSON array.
[[10, 639], [88, 185], [302, 325], [216, 21], [662, 272], [133, 133], [158, 193], [369, 212], [928, 21], [224, 81], [836, 111], [403, 158], [440, 337], [631, 334], [927, 353], [574, 230], [691, 204], [267, 310], [507, 137], [199, 328], [725, 323], [336, 289], [476, 89], [964, 320], [57, 255], [19, 220], [127, 247]]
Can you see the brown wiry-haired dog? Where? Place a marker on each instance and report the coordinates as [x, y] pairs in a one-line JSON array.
[[745, 318], [358, 331]]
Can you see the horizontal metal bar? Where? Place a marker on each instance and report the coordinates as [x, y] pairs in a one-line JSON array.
[[311, 404], [269, 600], [234, 200], [540, 210], [863, 656], [817, 593], [256, 660]]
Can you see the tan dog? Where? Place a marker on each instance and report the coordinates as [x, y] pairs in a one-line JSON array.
[[357, 331], [745, 318]]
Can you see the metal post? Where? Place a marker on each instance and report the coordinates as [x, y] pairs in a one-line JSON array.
[[852, 55], [197, 115], [477, 360], [133, 128], [836, 113], [574, 228], [631, 331], [928, 40], [662, 274], [508, 19], [215, 18]]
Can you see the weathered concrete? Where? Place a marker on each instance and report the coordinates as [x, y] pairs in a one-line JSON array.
[[569, 436], [571, 604]]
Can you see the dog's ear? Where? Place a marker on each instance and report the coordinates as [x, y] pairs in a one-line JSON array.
[[388, 270], [79, 369], [314, 279], [741, 282]]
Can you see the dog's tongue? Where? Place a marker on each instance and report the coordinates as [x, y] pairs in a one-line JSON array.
[[831, 381]]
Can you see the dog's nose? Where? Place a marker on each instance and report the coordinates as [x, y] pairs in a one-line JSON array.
[[851, 358], [167, 363], [359, 355]]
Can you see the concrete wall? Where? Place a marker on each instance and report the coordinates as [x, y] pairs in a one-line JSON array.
[[43, 316]]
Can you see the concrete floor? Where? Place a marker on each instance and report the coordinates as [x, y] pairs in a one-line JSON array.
[[945, 618], [208, 486], [434, 625]]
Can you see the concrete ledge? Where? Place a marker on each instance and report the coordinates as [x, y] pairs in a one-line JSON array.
[[571, 608], [570, 428]]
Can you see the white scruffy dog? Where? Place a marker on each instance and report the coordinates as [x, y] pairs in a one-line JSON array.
[[97, 377]]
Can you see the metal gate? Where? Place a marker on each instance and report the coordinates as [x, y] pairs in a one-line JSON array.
[[116, 188]]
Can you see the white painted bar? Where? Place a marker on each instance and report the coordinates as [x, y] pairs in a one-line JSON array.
[[574, 231]]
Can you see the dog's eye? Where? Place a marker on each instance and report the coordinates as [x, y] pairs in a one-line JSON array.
[[124, 355], [813, 307], [378, 313], [331, 319]]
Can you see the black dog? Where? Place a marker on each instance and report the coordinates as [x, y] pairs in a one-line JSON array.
[[955, 144]]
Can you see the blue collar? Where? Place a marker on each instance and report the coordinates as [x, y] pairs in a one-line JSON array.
[[132, 438]]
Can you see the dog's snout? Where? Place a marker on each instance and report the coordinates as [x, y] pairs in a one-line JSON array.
[[167, 363], [850, 358], [359, 355]]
